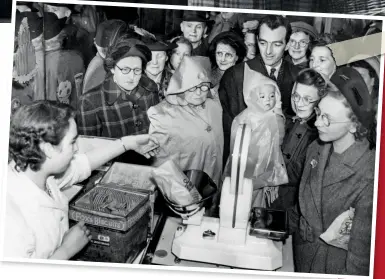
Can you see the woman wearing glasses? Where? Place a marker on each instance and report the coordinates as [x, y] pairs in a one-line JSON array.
[[299, 44], [119, 106], [300, 132], [338, 180], [188, 123]]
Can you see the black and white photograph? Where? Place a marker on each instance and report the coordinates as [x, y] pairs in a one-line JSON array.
[[242, 141]]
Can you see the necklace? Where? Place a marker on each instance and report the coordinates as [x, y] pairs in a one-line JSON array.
[[201, 107]]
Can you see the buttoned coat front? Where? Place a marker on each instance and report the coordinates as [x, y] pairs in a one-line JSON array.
[[323, 199], [184, 138]]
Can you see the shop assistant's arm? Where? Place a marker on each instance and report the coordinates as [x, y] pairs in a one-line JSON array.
[[83, 164], [139, 143]]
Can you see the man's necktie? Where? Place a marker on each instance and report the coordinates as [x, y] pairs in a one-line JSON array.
[[272, 72]]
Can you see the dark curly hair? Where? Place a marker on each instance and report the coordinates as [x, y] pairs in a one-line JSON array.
[[231, 39], [41, 121], [324, 40], [274, 22], [312, 77]]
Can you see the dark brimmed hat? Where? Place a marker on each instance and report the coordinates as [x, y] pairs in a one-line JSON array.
[[127, 47], [198, 16], [350, 83], [237, 41], [158, 44], [108, 31], [34, 21], [53, 25], [299, 26]]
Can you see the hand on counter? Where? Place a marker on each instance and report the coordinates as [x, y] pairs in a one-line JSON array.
[[145, 144]]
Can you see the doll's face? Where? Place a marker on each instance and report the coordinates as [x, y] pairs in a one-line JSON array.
[[266, 96]]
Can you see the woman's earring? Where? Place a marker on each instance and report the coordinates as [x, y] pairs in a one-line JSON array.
[[353, 128]]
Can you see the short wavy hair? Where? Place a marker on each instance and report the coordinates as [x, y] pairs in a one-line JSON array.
[[274, 22], [324, 40], [41, 121], [230, 39], [312, 77]]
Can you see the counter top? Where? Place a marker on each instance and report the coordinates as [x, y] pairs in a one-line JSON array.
[[163, 255]]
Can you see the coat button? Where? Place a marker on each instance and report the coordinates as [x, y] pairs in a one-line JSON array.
[[299, 136], [288, 156]]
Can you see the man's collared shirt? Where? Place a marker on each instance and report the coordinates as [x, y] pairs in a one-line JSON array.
[[277, 68]]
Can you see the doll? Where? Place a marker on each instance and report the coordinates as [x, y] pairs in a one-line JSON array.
[[265, 164]]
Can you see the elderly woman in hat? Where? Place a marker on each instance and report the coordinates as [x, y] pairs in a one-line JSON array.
[[299, 44], [188, 123], [194, 28], [119, 106], [156, 68], [321, 57], [336, 191], [226, 50]]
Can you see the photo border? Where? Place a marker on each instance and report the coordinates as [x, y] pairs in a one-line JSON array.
[[205, 269]]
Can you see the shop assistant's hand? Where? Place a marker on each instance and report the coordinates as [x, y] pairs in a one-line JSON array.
[[145, 144], [75, 239]]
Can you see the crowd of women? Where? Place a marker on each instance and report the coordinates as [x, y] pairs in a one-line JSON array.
[[182, 97]]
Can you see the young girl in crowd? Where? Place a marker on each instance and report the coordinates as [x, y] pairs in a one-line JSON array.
[[300, 132]]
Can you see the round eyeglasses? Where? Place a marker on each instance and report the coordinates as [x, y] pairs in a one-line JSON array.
[[127, 70], [302, 44], [305, 100], [203, 86], [325, 119]]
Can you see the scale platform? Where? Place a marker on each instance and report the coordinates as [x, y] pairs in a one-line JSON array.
[[164, 256], [255, 253]]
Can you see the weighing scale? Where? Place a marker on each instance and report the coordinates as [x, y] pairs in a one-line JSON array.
[[226, 240]]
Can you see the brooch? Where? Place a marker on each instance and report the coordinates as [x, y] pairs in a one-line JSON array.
[[313, 163]]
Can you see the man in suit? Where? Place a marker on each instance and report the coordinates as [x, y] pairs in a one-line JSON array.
[[272, 34]]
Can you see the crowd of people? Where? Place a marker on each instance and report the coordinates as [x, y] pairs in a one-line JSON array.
[[104, 77]]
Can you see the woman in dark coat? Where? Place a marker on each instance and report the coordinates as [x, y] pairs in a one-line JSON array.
[[338, 177], [118, 107], [300, 132]]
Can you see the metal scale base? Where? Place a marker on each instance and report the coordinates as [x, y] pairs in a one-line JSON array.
[[255, 253]]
